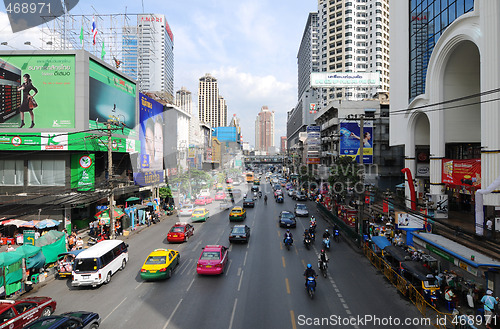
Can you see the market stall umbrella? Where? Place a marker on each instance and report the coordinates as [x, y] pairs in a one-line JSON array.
[[104, 214], [15, 222], [30, 224], [46, 223], [133, 198]]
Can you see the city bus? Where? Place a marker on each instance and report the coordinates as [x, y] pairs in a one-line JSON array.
[[249, 177]]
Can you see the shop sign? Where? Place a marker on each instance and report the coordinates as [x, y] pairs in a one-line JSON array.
[[440, 253], [466, 173]]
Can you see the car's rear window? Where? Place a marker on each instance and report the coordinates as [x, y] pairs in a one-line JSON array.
[[210, 255], [45, 323], [85, 264], [301, 206], [198, 212], [236, 211], [177, 229], [155, 260], [287, 215], [238, 230]]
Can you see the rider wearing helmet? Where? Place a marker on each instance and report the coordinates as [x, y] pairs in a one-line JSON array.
[[326, 234], [288, 234], [309, 272]]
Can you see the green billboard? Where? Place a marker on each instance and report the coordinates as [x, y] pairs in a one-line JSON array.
[[50, 79], [83, 172]]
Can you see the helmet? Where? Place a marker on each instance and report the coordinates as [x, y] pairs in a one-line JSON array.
[[326, 230], [309, 266], [288, 230]]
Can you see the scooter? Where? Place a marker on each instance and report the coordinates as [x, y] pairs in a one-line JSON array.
[[313, 236], [307, 242], [101, 237], [288, 243], [326, 243], [323, 266], [311, 286]]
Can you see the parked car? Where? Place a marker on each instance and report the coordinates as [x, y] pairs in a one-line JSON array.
[[239, 233], [68, 320], [19, 313]]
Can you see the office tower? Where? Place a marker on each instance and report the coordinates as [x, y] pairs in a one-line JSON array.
[[264, 130], [183, 100], [308, 56], [212, 107], [148, 54], [354, 37]]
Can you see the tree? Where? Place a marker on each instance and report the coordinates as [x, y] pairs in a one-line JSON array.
[[165, 192], [345, 175]]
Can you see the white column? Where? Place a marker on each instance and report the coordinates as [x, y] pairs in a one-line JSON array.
[[490, 115], [437, 151]]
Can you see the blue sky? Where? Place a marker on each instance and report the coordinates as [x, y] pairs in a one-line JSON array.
[[250, 46]]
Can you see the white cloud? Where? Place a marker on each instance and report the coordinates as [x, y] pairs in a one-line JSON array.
[[16, 41]]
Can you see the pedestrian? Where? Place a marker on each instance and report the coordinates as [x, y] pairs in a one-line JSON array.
[[79, 243], [71, 241], [91, 229], [37, 234], [10, 248], [450, 296], [489, 307], [489, 228]]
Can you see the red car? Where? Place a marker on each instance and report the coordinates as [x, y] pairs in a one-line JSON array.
[[16, 314], [220, 196], [180, 232], [212, 260], [203, 200]]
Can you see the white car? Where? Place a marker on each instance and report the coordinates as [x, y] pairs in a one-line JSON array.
[[205, 192], [186, 210]]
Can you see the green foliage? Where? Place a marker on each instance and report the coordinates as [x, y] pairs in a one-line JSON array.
[[345, 173], [165, 192]]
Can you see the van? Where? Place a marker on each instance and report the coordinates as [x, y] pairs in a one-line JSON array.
[[95, 265]]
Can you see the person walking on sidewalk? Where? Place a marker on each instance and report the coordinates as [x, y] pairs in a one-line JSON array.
[[489, 228], [489, 307]]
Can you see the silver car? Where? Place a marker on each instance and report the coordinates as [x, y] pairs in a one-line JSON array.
[[301, 210], [186, 210]]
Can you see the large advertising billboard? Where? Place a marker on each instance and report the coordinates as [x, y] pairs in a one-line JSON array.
[[50, 79], [462, 172], [350, 140], [151, 138], [341, 79], [110, 97]]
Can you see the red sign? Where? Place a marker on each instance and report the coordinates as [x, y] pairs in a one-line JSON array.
[[462, 172], [385, 206], [313, 161]]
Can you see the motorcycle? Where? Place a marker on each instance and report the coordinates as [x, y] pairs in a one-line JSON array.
[[336, 235], [323, 266], [313, 226], [311, 286], [313, 236], [326, 243], [307, 242], [288, 243], [101, 237]]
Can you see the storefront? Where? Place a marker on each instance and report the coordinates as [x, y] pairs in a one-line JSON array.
[[470, 265]]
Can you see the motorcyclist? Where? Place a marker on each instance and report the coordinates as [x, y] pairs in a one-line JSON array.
[[313, 221], [326, 234], [265, 198], [322, 258], [312, 233], [260, 194], [309, 272], [307, 234], [288, 234]]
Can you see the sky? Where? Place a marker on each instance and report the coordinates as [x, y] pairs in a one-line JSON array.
[[250, 46]]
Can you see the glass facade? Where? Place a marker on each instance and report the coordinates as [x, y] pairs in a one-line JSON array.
[[428, 20]]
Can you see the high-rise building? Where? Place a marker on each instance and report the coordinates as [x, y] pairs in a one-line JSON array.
[[354, 37], [183, 100], [283, 144], [264, 130], [149, 54], [212, 107], [308, 56]]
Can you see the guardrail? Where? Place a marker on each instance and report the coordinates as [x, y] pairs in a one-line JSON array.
[[349, 232]]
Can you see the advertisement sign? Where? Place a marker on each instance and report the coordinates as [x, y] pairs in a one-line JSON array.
[[462, 172], [405, 220], [350, 140], [340, 79], [110, 97], [83, 172], [51, 78]]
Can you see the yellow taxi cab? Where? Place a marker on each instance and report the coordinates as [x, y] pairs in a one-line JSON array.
[[160, 264], [199, 215], [237, 214], [218, 186], [256, 182]]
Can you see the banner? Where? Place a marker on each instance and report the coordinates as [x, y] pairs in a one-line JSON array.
[[350, 140], [462, 172], [51, 78], [83, 172], [342, 79], [405, 221]]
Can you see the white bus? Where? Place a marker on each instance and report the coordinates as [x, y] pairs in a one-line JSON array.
[[95, 265]]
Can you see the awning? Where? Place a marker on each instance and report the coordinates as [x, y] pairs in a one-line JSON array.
[[381, 241], [456, 250]]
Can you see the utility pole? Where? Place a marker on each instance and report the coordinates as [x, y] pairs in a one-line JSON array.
[[110, 176]]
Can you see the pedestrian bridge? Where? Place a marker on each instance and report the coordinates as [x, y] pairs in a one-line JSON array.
[[264, 159]]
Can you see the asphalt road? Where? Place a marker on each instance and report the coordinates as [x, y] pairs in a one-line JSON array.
[[262, 286]]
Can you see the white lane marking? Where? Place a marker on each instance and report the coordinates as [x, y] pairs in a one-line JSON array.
[[241, 278], [245, 259], [228, 266], [114, 309], [189, 287], [186, 267], [139, 285], [248, 244], [172, 315], [239, 271], [232, 314], [231, 247], [197, 246]]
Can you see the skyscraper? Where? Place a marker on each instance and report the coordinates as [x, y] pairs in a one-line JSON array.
[[264, 130], [149, 54], [184, 100], [354, 37], [212, 107], [308, 56]]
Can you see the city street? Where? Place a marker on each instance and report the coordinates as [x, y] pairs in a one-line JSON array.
[[262, 286]]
